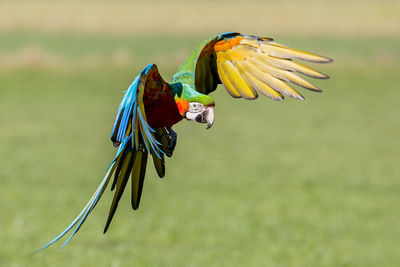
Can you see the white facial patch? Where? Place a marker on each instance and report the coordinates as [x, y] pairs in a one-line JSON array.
[[196, 107], [191, 115]]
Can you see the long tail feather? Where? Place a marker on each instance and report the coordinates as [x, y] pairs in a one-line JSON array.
[[137, 178], [85, 212], [127, 163]]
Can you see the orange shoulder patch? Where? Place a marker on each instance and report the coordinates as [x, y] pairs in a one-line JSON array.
[[227, 44]]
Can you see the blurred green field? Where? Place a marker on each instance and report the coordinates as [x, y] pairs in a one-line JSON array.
[[290, 183]]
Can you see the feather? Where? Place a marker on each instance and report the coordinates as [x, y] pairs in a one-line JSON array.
[[251, 42], [256, 84], [84, 213], [80, 219], [237, 81], [135, 128], [116, 175], [125, 109], [226, 82], [126, 168], [288, 64], [244, 51], [138, 175], [289, 76], [280, 51], [114, 133], [234, 55], [256, 67], [284, 75], [159, 165]]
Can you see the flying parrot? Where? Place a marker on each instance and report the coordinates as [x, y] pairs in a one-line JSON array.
[[246, 65]]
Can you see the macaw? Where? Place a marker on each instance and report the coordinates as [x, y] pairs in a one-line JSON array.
[[246, 65]]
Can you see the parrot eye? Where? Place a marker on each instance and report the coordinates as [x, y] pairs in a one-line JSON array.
[[196, 107]]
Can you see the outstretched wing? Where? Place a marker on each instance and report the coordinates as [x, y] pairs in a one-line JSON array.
[[136, 139], [248, 65]]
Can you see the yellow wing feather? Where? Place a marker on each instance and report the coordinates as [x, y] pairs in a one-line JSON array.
[[281, 51], [261, 72], [225, 80], [257, 84], [284, 75], [248, 64], [290, 65], [293, 78], [237, 81]]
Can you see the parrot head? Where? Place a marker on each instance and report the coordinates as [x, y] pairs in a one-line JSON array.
[[195, 106]]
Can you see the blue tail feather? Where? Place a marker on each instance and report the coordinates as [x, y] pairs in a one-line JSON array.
[[84, 213]]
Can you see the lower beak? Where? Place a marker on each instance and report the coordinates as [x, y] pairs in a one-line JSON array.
[[210, 116]]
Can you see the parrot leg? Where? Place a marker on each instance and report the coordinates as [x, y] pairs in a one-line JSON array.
[[174, 137]]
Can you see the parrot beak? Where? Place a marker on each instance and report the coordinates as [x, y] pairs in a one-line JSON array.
[[204, 116], [210, 116]]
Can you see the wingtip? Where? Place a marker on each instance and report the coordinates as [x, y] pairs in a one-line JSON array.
[[328, 60], [276, 98], [322, 76], [250, 97], [321, 59]]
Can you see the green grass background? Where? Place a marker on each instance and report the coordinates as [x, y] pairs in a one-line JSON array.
[[290, 183]]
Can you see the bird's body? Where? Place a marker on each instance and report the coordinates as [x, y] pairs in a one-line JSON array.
[[246, 65]]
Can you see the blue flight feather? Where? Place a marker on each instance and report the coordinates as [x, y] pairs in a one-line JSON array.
[[128, 102]]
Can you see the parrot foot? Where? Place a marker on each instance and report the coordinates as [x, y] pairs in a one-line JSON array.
[[174, 137]]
